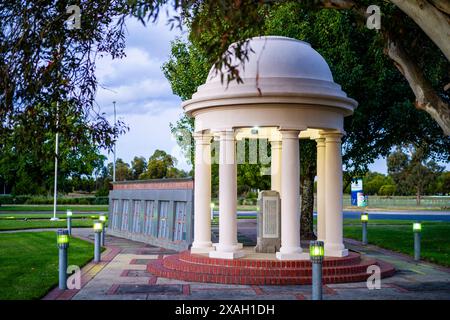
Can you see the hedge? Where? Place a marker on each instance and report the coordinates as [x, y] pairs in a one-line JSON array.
[[10, 199]]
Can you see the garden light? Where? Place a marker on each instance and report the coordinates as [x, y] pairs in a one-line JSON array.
[[62, 239], [364, 220], [69, 221], [316, 254], [417, 228], [98, 228]]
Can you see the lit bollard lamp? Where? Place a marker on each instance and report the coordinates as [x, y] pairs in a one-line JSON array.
[[69, 222], [417, 228], [102, 219], [98, 227], [316, 254], [364, 220], [62, 239], [212, 210]]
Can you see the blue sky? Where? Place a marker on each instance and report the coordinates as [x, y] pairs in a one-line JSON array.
[[145, 101]]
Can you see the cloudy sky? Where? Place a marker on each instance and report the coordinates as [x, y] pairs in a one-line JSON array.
[[143, 96]]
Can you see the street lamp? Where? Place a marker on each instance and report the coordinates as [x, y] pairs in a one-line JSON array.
[[212, 210], [316, 253], [417, 228], [62, 240], [102, 219], [98, 227], [364, 220], [69, 221]]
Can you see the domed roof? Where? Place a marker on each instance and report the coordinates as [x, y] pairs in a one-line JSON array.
[[280, 57], [278, 70]]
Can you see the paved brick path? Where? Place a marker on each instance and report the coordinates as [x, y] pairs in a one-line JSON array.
[[124, 276]]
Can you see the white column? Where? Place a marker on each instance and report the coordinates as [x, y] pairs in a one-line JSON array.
[[290, 197], [228, 247], [202, 194], [334, 245], [320, 189], [275, 166]]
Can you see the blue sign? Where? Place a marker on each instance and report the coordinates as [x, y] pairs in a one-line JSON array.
[[356, 187]]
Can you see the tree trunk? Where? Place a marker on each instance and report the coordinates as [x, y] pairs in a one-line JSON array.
[[418, 196], [307, 206], [431, 17], [426, 97]]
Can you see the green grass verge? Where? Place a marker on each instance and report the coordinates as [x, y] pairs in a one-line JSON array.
[[435, 242], [60, 208], [29, 263], [42, 224], [21, 216]]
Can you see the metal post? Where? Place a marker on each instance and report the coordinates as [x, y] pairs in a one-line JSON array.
[[69, 225], [114, 151], [55, 187], [316, 281], [102, 238], [97, 253], [316, 253], [364, 232], [416, 246], [62, 240]]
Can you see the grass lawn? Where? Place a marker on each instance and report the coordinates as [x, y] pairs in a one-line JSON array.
[[60, 208], [398, 236], [29, 263], [12, 224]]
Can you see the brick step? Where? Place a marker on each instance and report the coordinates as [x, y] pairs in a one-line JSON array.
[[352, 259], [176, 262], [158, 269]]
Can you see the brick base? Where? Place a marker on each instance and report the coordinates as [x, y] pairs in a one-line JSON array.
[[198, 268]]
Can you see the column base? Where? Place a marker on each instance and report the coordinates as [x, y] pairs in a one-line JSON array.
[[226, 255], [335, 250], [292, 256], [202, 250], [238, 246], [202, 247]]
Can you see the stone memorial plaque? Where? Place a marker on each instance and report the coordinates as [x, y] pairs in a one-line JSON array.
[[269, 222], [270, 217]]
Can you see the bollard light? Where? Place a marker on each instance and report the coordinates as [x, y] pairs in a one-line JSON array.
[[364, 220], [102, 218], [98, 227], [417, 228], [62, 240], [69, 221], [316, 253]]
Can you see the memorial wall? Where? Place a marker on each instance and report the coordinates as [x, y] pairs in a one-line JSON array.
[[158, 212]]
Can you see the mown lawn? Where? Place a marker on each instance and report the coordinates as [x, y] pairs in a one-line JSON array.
[[13, 224], [29, 263], [60, 208], [398, 236]]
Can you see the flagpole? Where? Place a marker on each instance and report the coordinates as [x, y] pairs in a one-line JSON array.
[[55, 188], [114, 151]]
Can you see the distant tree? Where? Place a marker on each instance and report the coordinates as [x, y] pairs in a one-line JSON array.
[[138, 166], [159, 165], [387, 190], [412, 172], [373, 181], [123, 170]]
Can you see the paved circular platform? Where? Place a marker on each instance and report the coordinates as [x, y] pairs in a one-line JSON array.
[[263, 271]]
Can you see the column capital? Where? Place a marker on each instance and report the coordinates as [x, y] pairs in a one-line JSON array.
[[203, 138], [289, 134], [320, 142], [332, 137], [227, 134]]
